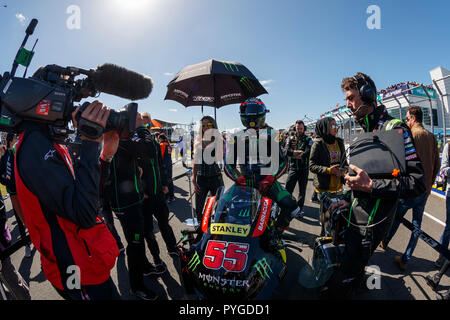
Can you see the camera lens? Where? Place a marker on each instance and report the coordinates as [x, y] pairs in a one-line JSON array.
[[122, 121]]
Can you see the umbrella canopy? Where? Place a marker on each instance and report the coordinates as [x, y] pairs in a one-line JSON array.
[[213, 83]]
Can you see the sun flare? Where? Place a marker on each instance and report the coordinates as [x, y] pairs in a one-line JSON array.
[[130, 7]]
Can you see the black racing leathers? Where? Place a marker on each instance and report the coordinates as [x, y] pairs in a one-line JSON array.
[[256, 166]]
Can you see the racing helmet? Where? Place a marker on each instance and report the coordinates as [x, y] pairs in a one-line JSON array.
[[253, 113]]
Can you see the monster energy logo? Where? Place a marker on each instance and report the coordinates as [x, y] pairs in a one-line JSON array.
[[194, 262], [262, 267], [230, 67], [247, 84], [244, 213], [224, 289]]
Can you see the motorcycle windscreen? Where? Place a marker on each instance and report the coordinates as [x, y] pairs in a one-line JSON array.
[[236, 211]]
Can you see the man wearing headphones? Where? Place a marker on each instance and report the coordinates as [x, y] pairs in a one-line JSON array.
[[372, 203], [298, 147]]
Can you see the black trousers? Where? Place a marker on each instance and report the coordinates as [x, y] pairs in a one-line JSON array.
[[104, 291], [109, 219], [156, 206], [206, 184], [132, 221], [355, 258], [301, 177]]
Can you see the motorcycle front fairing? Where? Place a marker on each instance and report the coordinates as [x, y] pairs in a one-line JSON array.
[[231, 261]]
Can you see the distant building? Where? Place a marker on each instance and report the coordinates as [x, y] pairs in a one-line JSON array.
[[433, 99]]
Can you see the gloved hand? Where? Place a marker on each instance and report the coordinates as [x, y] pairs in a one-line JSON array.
[[241, 181], [265, 184]]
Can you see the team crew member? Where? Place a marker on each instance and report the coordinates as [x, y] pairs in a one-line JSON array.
[[206, 177], [59, 201], [298, 147], [166, 154], [373, 202], [155, 205], [126, 202]]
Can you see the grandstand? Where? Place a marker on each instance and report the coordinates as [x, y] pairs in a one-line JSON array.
[[433, 99]]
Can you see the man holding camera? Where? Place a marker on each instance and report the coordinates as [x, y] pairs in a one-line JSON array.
[[298, 147], [60, 206], [372, 203]]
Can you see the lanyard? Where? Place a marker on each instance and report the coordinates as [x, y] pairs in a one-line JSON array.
[[372, 214]]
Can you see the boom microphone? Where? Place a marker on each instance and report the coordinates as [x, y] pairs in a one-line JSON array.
[[121, 82], [355, 113]]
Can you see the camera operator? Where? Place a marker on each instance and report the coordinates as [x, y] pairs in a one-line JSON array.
[[372, 203], [59, 201]]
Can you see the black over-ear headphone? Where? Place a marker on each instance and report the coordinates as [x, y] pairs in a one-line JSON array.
[[367, 93]]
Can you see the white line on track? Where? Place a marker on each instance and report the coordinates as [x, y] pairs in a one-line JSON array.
[[433, 218]]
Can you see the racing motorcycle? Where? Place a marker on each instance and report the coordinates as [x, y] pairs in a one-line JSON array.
[[235, 252]]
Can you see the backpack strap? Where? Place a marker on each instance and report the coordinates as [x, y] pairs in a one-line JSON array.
[[392, 123]]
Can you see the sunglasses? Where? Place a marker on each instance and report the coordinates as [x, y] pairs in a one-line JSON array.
[[333, 126], [208, 125]]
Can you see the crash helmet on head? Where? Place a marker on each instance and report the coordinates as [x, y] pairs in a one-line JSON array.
[[253, 113]]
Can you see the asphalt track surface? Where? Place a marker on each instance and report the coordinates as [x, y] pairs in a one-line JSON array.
[[297, 285]]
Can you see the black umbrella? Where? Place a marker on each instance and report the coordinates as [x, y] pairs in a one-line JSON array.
[[213, 83]]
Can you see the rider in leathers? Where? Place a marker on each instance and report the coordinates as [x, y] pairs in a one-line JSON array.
[[253, 114]]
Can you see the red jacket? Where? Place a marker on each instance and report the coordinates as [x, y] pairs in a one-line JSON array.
[[59, 209]]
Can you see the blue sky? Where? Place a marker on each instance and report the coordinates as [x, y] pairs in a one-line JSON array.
[[299, 49]]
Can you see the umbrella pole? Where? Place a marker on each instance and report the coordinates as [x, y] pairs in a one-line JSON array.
[[215, 115], [194, 220]]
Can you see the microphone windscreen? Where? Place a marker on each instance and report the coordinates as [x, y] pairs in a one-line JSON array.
[[121, 82]]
